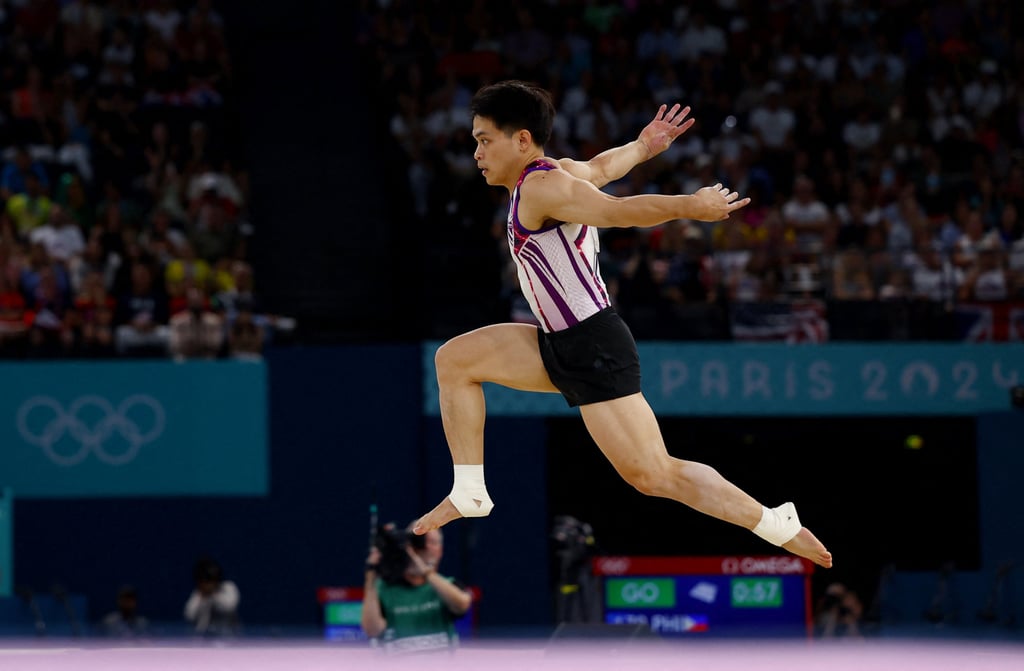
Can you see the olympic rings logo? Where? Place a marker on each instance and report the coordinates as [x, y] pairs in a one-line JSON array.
[[91, 437]]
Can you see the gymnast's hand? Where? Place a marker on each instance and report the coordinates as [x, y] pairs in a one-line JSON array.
[[664, 128]]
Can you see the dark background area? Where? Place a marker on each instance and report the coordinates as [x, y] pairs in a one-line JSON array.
[[857, 485], [328, 195]]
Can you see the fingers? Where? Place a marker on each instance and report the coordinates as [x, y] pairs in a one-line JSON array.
[[683, 128], [675, 116], [671, 116], [732, 207]]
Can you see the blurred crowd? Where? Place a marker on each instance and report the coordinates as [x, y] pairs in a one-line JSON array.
[[880, 142], [123, 207]]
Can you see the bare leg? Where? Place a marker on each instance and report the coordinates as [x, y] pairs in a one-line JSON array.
[[627, 432], [506, 354]]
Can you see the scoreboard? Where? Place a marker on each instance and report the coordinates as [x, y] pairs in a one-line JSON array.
[[715, 596]]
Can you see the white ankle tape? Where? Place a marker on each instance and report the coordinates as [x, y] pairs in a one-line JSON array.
[[469, 494], [778, 525]]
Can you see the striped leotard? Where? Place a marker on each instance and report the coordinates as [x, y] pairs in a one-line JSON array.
[[557, 266]]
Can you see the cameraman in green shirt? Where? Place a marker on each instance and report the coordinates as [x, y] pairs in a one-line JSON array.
[[407, 605]]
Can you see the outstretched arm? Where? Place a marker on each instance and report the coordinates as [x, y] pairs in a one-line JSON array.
[[557, 195], [610, 165]]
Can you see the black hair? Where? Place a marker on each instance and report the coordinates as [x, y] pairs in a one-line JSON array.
[[513, 105], [206, 569]]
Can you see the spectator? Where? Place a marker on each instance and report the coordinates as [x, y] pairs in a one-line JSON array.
[[60, 236], [758, 281], [896, 287], [163, 19], [987, 279], [861, 136], [94, 317], [839, 613], [983, 95], [655, 41], [965, 249], [141, 316], [51, 334], [165, 242], [29, 209], [686, 276], [807, 216], [196, 332], [93, 259], [700, 37], [851, 280], [772, 122], [245, 336], [934, 277], [214, 233], [853, 232], [900, 219], [125, 621], [1016, 267], [72, 196], [14, 178], [236, 289], [14, 319], [38, 264], [1011, 228], [186, 270]]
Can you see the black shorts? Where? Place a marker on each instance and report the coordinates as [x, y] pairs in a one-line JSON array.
[[594, 361]]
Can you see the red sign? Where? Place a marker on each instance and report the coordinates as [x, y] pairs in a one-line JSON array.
[[330, 594], [738, 565]]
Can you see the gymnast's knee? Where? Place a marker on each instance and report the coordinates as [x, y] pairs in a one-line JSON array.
[[449, 362], [647, 481]]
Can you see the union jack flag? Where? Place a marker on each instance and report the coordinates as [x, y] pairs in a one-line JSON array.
[[793, 322], [990, 322]]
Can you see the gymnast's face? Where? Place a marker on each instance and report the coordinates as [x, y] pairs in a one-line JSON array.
[[499, 156]]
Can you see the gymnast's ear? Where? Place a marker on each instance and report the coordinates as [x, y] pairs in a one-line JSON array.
[[524, 139]]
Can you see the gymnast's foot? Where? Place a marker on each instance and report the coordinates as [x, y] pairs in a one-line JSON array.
[[441, 515], [806, 545]]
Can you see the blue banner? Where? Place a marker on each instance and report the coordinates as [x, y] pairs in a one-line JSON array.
[[161, 428], [682, 379], [6, 541]]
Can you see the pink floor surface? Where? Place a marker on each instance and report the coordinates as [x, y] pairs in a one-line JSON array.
[[520, 656]]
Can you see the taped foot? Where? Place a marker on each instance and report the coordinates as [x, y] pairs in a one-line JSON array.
[[778, 525], [469, 492], [471, 505]]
